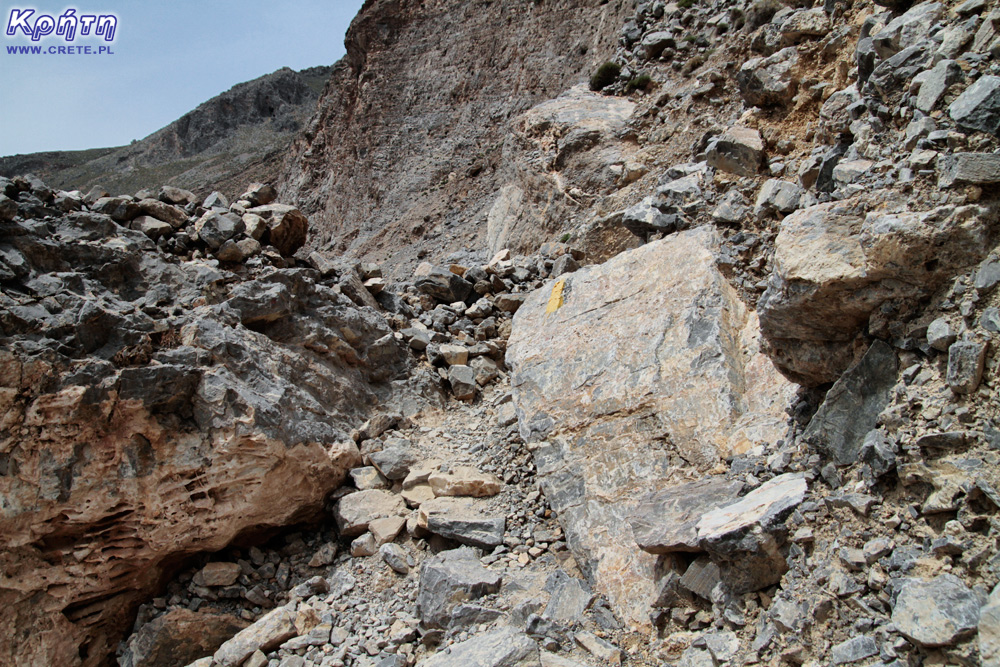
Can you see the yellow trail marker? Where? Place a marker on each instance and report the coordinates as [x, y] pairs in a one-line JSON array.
[[556, 298]]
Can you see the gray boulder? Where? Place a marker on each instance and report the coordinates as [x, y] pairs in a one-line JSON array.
[[645, 218], [738, 150], [778, 197], [936, 612], [833, 268], [907, 29], [891, 77], [463, 382], [769, 81], [934, 83], [449, 579], [978, 108], [966, 361], [851, 407], [745, 538], [216, 228], [458, 519], [968, 168], [444, 285]]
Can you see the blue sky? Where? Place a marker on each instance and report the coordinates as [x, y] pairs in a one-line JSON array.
[[168, 57]]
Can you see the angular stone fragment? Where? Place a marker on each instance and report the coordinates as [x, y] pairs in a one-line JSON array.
[[805, 23], [455, 355], [368, 477], [151, 227], [504, 647], [447, 580], [738, 150], [936, 612], [217, 574], [266, 634], [853, 650], [653, 44], [936, 83], [363, 546], [394, 462], [444, 285], [386, 529], [645, 218], [287, 226], [569, 601], [701, 577], [216, 228], [465, 481], [178, 637], [966, 360], [851, 407], [509, 303], [989, 630], [260, 194], [968, 168], [777, 196], [666, 520], [978, 108], [463, 382], [849, 171], [940, 335], [891, 76], [769, 81], [172, 215], [119, 209], [324, 556], [355, 510], [176, 196], [744, 537], [395, 557], [907, 29], [605, 651], [836, 111]]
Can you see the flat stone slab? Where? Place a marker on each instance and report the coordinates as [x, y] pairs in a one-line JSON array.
[[505, 647], [765, 505], [666, 520]]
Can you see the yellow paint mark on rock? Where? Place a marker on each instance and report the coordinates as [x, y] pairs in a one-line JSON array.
[[556, 298]]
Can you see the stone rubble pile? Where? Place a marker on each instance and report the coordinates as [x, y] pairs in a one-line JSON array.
[[765, 431]]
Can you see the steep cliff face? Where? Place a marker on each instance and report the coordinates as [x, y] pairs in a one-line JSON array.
[[407, 145]]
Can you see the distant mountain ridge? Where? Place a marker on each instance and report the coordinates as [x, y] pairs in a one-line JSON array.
[[224, 144]]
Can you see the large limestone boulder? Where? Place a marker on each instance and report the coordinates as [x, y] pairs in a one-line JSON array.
[[835, 265], [637, 374], [153, 409]]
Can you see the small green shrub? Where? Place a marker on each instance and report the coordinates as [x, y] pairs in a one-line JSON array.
[[640, 82], [685, 4], [565, 237], [605, 75]]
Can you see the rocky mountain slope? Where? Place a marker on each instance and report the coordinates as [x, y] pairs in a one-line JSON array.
[[230, 141], [730, 400], [408, 145]]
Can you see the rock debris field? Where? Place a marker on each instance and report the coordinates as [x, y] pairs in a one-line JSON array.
[[747, 416]]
